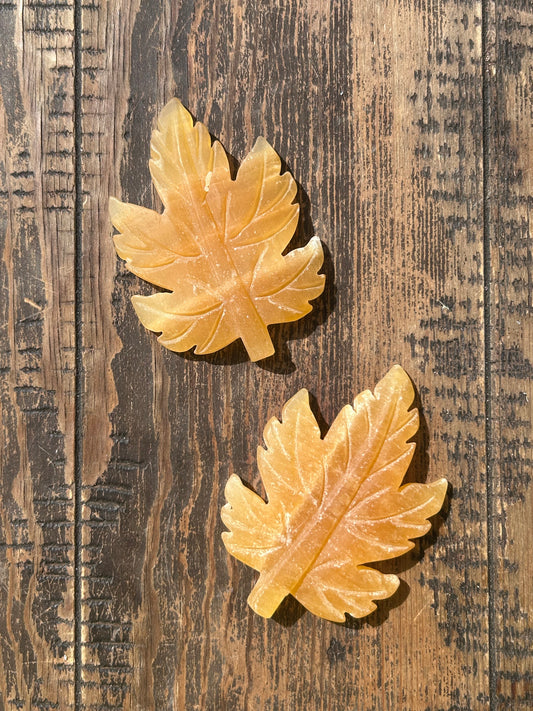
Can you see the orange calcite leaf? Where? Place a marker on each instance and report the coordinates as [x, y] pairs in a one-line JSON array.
[[217, 247], [334, 504]]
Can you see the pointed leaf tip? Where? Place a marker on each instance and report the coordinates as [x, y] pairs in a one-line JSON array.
[[170, 110]]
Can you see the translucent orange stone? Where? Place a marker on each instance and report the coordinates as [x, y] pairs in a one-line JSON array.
[[334, 504], [217, 248]]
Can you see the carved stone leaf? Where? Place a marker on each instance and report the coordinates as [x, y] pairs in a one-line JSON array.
[[217, 248], [334, 504]]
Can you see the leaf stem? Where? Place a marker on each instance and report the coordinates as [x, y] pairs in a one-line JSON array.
[[256, 339]]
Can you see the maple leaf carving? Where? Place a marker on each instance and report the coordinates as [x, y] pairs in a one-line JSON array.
[[334, 504], [217, 248]]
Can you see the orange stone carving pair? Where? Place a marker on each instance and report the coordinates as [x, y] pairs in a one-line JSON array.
[[334, 504]]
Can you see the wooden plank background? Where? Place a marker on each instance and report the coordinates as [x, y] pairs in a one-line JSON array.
[[409, 127]]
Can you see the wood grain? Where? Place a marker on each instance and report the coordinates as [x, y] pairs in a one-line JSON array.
[[37, 356], [378, 113], [407, 124], [511, 201]]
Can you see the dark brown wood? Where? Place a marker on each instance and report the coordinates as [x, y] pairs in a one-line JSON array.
[[378, 112], [511, 203], [421, 193], [36, 356]]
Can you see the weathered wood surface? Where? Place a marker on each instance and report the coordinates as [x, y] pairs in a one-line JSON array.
[[510, 209], [409, 128], [37, 356]]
